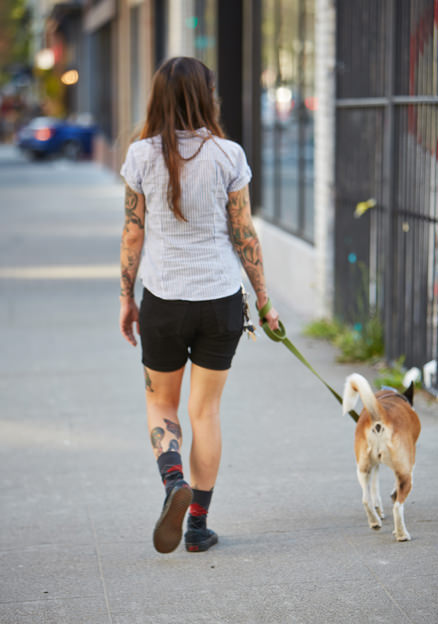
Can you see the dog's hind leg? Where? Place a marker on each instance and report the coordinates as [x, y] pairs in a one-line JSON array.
[[375, 491], [404, 486], [364, 480]]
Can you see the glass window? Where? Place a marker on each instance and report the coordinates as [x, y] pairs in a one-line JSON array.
[[287, 111], [191, 30]]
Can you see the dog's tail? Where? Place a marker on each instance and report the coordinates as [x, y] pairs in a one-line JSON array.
[[355, 386]]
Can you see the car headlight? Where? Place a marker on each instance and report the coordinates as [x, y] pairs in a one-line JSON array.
[[44, 134]]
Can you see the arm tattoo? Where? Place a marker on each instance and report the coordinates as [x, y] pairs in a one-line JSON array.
[[132, 242], [127, 283], [157, 435], [174, 428], [129, 261], [245, 240], [131, 203], [173, 446], [131, 255]]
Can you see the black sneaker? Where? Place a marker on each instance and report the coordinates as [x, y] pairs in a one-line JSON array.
[[168, 530], [200, 540]]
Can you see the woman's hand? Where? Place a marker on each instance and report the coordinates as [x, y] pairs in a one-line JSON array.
[[272, 317], [129, 317]]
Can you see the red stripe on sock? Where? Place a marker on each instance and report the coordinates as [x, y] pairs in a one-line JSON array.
[[197, 510], [176, 468]]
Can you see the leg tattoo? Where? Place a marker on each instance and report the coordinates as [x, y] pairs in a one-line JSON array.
[[157, 435], [174, 428], [148, 381]]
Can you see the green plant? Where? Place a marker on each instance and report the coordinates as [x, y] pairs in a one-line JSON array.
[[360, 343], [323, 329], [392, 375]]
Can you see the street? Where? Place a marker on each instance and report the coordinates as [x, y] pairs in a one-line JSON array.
[[80, 491]]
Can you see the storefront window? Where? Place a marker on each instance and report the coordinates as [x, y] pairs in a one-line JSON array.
[[287, 111], [191, 30]]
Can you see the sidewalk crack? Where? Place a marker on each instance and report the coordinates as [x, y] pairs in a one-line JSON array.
[[99, 563], [382, 585]]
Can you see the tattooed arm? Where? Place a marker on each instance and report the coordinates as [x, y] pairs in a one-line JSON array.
[[130, 255], [247, 245]]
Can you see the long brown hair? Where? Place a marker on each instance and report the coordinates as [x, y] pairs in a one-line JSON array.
[[182, 98]]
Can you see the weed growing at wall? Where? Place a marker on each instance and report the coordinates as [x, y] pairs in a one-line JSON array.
[[362, 342]]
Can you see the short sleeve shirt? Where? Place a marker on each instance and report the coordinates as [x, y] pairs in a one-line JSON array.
[[195, 259]]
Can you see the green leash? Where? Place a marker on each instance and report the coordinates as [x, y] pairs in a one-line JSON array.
[[279, 335]]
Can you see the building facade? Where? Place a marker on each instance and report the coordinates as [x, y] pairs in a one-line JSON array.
[[335, 103]]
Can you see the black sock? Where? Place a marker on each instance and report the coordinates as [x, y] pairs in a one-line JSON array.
[[170, 467], [199, 509]]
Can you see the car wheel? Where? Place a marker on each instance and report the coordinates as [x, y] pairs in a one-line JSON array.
[[34, 155], [71, 150]]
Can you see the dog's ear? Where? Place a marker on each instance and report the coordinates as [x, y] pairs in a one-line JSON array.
[[409, 393]]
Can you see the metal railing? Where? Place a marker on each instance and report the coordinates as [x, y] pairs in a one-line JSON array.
[[387, 134]]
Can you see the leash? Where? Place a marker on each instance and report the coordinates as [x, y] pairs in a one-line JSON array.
[[279, 335]]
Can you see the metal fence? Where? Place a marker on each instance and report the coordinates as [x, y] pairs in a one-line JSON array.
[[387, 132]]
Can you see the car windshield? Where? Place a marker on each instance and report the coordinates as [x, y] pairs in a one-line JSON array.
[[42, 122]]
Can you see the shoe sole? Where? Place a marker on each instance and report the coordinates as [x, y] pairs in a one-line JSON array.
[[168, 530], [202, 546]]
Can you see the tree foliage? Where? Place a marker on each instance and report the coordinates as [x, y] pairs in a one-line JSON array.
[[15, 23]]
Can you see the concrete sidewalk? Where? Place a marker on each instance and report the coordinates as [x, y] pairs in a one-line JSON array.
[[81, 492]]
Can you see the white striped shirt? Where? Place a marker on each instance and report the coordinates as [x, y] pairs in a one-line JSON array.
[[192, 260]]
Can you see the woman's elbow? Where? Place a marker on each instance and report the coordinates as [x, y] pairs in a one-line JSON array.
[[133, 239]]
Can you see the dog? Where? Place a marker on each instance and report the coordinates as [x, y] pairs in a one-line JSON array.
[[386, 433]]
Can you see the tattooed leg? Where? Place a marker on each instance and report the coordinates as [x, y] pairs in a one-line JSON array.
[[162, 400]]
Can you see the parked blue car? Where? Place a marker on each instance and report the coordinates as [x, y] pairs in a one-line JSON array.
[[47, 135]]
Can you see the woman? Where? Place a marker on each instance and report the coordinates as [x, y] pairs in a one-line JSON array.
[[187, 223]]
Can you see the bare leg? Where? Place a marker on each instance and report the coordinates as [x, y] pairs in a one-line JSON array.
[[206, 388], [162, 400]]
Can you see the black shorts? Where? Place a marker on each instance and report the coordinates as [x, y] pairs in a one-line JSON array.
[[207, 332]]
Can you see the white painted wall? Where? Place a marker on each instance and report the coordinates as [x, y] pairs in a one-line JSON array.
[[289, 264]]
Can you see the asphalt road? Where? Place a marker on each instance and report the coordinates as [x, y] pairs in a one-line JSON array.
[[79, 488]]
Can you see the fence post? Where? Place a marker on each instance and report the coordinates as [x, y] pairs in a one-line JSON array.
[[388, 185], [325, 116]]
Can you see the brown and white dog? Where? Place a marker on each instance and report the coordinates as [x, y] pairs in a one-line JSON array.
[[386, 433]]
